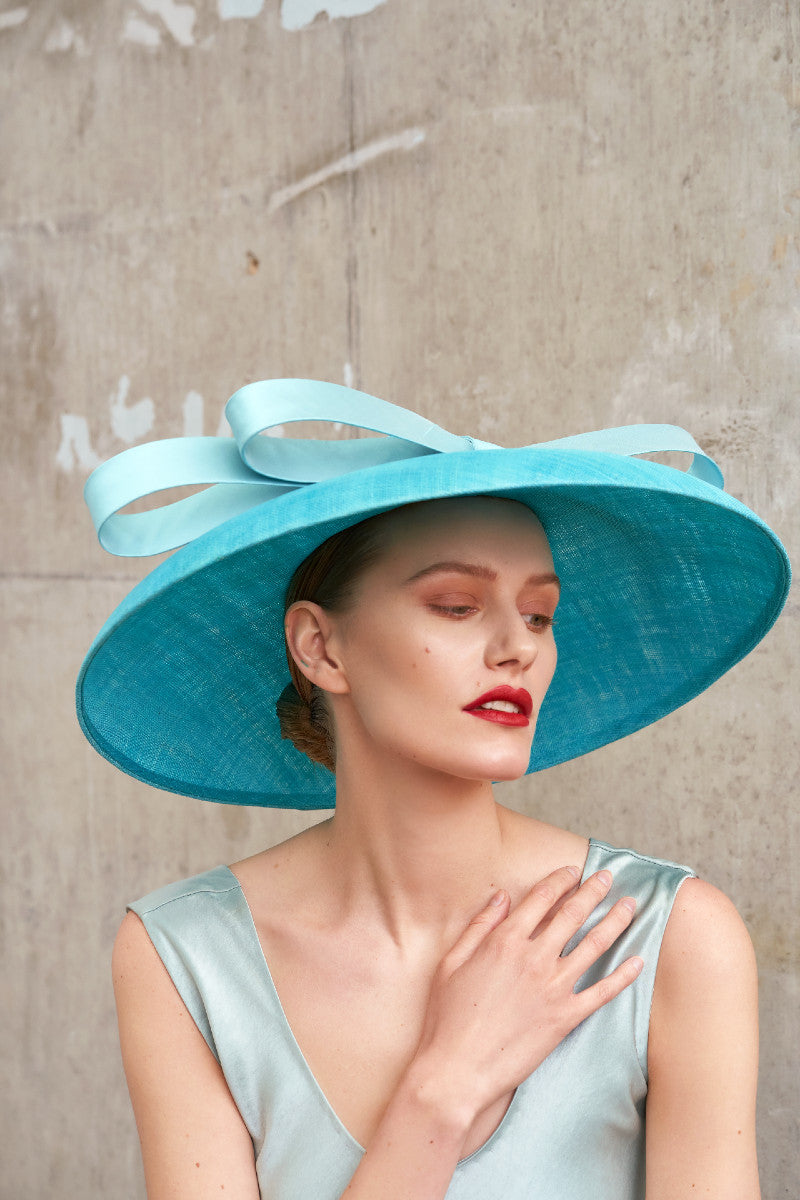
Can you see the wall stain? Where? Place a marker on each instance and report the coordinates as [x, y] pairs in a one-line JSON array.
[[775, 945], [30, 370], [86, 108], [734, 436], [744, 288], [779, 249]]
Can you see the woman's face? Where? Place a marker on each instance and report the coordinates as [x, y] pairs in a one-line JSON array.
[[448, 647]]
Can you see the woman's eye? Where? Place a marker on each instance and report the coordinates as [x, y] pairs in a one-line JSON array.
[[538, 621], [453, 610]]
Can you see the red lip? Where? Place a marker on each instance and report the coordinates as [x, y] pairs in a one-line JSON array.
[[516, 696]]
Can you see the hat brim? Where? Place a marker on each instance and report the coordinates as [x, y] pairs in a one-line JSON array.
[[666, 581]]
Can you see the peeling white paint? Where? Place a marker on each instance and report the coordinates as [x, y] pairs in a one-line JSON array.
[[76, 446], [178, 18], [348, 374], [406, 140], [14, 16], [298, 14], [228, 9], [64, 37], [141, 32], [193, 415], [129, 423]]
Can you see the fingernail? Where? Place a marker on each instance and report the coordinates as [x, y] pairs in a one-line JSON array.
[[637, 964], [498, 898], [605, 878], [574, 872], [629, 903]]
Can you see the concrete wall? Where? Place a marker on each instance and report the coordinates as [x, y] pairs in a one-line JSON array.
[[523, 219]]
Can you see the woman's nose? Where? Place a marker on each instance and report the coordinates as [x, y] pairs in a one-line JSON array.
[[511, 642]]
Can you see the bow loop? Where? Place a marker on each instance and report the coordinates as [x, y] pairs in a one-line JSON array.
[[252, 467], [258, 407], [630, 440]]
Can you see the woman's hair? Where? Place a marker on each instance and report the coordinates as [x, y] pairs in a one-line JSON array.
[[328, 577]]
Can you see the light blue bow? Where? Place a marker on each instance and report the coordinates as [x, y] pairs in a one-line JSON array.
[[249, 469]]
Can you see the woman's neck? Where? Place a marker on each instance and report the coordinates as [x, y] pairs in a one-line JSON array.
[[419, 851]]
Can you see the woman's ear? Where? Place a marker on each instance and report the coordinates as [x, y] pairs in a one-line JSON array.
[[308, 628]]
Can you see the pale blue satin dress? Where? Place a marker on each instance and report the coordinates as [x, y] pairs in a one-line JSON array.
[[574, 1129]]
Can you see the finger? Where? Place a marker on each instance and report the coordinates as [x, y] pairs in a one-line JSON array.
[[601, 937], [594, 997], [541, 899], [480, 925], [576, 910]]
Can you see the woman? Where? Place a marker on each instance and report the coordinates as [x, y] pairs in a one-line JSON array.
[[426, 944]]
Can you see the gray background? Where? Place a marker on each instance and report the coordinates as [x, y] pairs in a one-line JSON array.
[[522, 219]]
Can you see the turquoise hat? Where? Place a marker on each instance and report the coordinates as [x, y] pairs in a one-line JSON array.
[[667, 580]]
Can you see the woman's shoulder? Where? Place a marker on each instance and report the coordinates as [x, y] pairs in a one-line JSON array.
[[189, 925], [706, 944], [170, 903], [216, 904], [178, 942]]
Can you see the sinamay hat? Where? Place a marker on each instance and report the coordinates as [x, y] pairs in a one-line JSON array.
[[666, 580]]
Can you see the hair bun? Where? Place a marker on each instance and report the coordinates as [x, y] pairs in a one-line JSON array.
[[304, 727]]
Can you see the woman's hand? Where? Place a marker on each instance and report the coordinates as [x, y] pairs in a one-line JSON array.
[[504, 996], [500, 1001]]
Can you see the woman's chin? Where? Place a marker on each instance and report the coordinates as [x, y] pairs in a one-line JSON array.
[[496, 769], [509, 774]]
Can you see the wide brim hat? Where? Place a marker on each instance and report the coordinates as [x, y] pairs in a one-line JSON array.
[[666, 581]]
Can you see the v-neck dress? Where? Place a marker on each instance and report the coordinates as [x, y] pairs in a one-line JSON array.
[[574, 1128]]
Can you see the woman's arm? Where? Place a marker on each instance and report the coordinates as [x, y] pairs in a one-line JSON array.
[[703, 1054], [194, 1142]]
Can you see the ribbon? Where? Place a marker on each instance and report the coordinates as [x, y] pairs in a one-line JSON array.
[[250, 468]]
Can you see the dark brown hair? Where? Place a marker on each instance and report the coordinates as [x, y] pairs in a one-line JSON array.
[[328, 577]]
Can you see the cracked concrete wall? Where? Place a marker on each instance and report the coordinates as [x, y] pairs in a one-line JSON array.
[[523, 220]]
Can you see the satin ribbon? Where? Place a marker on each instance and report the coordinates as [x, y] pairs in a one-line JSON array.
[[249, 468]]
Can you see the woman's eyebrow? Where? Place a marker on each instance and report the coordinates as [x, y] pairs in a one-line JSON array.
[[479, 571]]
